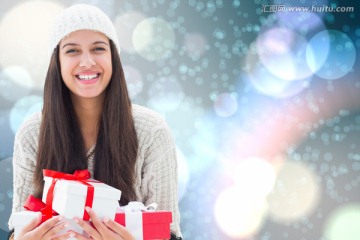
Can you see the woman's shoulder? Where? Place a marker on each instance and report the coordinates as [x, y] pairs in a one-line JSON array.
[[149, 123], [147, 117], [30, 126]]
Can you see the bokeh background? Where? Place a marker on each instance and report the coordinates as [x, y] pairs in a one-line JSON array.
[[263, 99]]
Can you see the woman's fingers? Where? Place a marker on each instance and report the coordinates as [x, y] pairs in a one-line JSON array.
[[55, 230], [118, 229], [76, 235], [108, 229], [33, 224], [42, 229], [48, 224], [71, 235], [93, 232], [96, 221], [64, 236]]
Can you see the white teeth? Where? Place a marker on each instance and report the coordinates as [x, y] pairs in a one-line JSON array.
[[87, 77]]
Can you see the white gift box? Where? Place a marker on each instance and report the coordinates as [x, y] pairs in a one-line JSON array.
[[70, 196], [23, 218]]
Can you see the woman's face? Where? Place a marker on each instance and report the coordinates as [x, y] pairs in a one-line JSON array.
[[85, 60]]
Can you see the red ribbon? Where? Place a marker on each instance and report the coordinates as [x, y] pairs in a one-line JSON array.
[[81, 176], [36, 205]]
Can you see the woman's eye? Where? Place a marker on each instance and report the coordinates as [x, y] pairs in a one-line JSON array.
[[99, 49], [71, 51]]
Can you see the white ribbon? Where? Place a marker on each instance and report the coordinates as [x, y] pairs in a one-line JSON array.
[[133, 217], [139, 206]]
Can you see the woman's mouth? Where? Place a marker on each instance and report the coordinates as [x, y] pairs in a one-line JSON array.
[[87, 77]]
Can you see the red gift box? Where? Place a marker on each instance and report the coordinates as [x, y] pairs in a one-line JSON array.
[[155, 225]]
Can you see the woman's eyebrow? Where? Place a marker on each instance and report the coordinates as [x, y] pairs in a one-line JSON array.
[[100, 42], [70, 44], [75, 44]]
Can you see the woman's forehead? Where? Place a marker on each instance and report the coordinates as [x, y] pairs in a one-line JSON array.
[[84, 37]]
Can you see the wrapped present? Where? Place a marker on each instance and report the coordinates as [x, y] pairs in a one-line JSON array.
[[144, 223], [22, 218], [69, 194]]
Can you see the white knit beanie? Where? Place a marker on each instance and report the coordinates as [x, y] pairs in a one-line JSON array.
[[81, 17]]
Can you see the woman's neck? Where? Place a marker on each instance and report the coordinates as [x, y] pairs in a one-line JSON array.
[[88, 112]]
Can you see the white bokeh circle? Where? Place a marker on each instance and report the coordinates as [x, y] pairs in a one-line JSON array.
[[254, 177], [24, 108], [296, 193], [24, 37], [341, 56], [125, 25], [266, 82], [283, 52], [153, 39], [225, 104], [343, 223], [238, 215], [15, 82]]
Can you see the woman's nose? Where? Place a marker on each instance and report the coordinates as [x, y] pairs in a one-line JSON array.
[[87, 60]]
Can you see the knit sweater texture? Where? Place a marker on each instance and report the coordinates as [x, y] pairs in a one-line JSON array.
[[156, 164]]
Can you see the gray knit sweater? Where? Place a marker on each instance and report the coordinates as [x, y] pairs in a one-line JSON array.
[[156, 166]]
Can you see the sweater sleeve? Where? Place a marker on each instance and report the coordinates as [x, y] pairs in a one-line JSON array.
[[24, 160], [159, 173]]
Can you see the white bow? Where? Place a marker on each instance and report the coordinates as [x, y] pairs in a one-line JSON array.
[[133, 217], [138, 207]]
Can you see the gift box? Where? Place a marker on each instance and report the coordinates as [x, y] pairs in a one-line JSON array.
[[68, 195], [145, 224], [22, 218]]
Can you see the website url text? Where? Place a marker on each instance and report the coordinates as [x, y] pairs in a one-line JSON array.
[[283, 8]]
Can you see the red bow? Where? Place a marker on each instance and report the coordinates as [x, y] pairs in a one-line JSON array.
[[36, 205]]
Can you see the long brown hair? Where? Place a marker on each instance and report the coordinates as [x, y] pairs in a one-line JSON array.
[[61, 146]]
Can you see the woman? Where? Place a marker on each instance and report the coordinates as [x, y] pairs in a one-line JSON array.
[[88, 122]]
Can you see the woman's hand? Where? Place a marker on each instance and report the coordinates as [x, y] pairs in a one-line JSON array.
[[47, 230], [102, 230]]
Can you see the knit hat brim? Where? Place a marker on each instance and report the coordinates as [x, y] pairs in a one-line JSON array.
[[82, 17]]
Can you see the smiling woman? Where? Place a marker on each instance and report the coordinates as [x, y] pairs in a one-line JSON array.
[[88, 122], [85, 59]]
